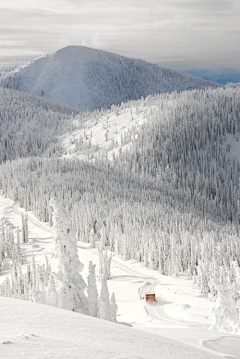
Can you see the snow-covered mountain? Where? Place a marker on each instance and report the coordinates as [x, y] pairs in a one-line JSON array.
[[86, 78]]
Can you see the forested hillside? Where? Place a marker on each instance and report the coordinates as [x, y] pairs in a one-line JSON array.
[[170, 200], [89, 79], [29, 126]]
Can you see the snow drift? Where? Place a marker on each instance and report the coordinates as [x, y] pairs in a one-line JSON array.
[[34, 331]]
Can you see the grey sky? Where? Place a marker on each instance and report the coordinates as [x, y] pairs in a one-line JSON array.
[[180, 33]]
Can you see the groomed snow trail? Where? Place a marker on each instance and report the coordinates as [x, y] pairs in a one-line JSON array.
[[153, 310]]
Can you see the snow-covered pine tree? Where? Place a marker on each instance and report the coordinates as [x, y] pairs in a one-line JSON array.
[[104, 309], [225, 314], [237, 287], [107, 264], [113, 308], [101, 264], [33, 292], [51, 295], [71, 285], [104, 263], [24, 228], [92, 291]]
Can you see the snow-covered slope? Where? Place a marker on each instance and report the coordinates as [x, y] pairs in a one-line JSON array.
[[107, 133], [180, 312], [87, 79], [35, 331], [30, 330]]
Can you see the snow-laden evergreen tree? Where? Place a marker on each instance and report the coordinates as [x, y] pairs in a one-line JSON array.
[[51, 295], [107, 264], [104, 308], [25, 287], [113, 308], [92, 291], [71, 285], [36, 293], [17, 276], [94, 234], [41, 285], [101, 264], [24, 228], [237, 288], [47, 272], [225, 314], [104, 263]]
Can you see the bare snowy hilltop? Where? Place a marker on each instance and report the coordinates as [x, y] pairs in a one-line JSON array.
[[87, 79]]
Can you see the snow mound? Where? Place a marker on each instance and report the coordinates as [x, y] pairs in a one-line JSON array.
[[86, 78], [63, 334], [228, 345]]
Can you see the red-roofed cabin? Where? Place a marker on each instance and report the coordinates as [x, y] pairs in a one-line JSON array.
[[150, 297]]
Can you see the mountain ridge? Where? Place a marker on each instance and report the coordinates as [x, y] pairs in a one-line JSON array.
[[88, 79], [221, 76]]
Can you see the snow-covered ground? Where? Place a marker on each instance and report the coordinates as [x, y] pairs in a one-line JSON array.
[[108, 134], [180, 316], [37, 331]]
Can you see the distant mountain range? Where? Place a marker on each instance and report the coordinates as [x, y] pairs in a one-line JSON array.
[[88, 79], [221, 76]]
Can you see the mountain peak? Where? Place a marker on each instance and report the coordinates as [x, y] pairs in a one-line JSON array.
[[86, 78]]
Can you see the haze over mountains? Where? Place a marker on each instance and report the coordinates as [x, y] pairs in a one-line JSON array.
[[87, 79], [221, 76]]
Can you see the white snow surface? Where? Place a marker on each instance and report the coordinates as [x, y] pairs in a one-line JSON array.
[[176, 326], [86, 78], [106, 134], [38, 331]]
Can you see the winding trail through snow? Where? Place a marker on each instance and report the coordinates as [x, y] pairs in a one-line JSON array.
[[36, 222], [153, 310]]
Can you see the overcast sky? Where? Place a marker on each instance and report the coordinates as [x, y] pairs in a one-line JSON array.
[[178, 33]]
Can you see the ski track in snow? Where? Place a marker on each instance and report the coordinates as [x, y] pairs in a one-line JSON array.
[[37, 223], [154, 310]]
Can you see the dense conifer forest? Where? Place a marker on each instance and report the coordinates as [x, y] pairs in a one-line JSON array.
[[170, 200], [29, 126]]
